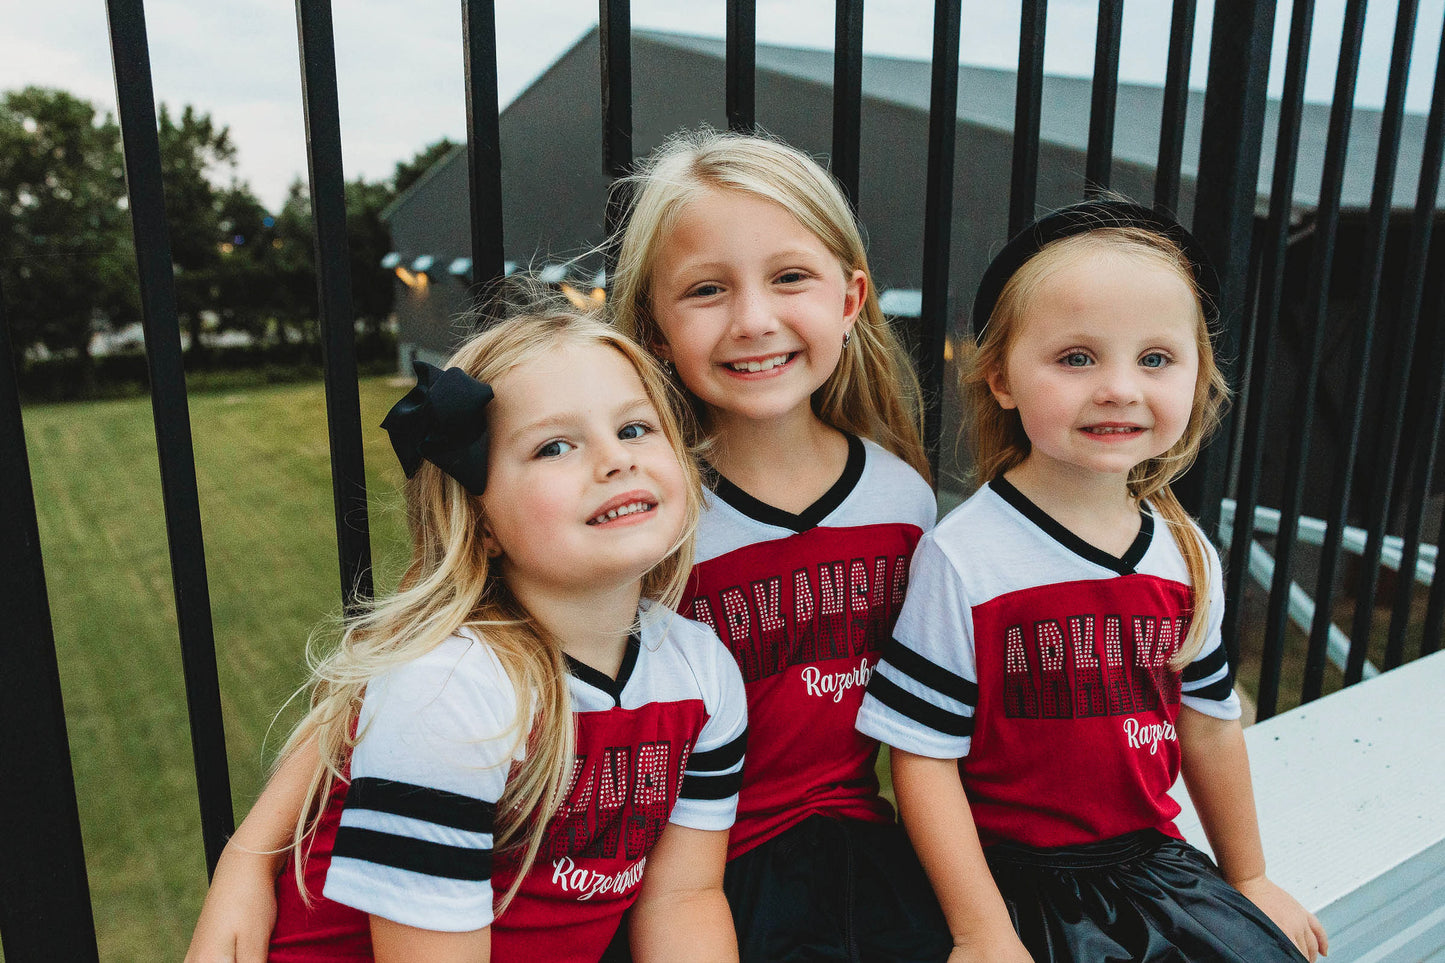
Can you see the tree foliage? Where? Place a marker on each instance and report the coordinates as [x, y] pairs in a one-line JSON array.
[[65, 250], [67, 261]]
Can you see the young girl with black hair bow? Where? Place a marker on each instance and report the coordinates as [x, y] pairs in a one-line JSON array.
[[523, 741]]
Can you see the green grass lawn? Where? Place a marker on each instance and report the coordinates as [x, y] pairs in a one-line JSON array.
[[263, 472]]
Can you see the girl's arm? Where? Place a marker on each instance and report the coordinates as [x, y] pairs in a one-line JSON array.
[[936, 814], [395, 943], [681, 912], [1215, 766], [240, 908]]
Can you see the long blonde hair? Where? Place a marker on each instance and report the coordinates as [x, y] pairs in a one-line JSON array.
[[451, 584], [1001, 444], [873, 392]]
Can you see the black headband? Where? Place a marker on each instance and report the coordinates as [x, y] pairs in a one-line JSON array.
[[443, 420], [1080, 219]]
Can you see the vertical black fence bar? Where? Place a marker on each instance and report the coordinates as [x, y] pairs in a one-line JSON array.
[[1176, 107], [1397, 390], [1435, 610], [742, 61], [333, 281], [1365, 312], [1233, 129], [1274, 245], [938, 218], [614, 25], [1104, 97], [135, 102], [1028, 112], [44, 894], [484, 139], [1316, 307], [847, 94]]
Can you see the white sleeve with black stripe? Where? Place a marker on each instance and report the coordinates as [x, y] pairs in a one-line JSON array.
[[1208, 682], [438, 736], [708, 797], [922, 695]]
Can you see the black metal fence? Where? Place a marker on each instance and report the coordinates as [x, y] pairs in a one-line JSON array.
[[45, 911]]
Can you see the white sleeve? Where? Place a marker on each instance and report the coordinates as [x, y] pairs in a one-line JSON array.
[[1208, 681], [438, 737], [708, 798], [922, 695]]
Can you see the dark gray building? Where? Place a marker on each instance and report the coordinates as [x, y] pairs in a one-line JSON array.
[[554, 186]]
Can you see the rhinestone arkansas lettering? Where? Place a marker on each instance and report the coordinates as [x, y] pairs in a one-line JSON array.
[[1089, 665], [618, 801], [826, 611]]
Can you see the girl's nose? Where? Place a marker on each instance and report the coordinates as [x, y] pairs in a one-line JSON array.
[[752, 316], [1117, 387], [613, 458]]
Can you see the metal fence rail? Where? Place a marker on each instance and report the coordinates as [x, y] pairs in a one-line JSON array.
[[45, 911]]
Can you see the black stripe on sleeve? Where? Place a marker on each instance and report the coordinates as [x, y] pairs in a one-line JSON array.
[[723, 757], [1205, 667], [931, 674], [414, 855], [711, 787], [906, 703], [420, 802], [1215, 691]]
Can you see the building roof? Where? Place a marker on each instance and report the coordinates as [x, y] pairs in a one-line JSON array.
[[986, 98]]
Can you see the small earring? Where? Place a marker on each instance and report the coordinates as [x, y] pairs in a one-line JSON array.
[[847, 336]]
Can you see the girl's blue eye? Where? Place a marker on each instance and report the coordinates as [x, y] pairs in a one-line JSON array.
[[1154, 359], [704, 291], [634, 431], [792, 277], [554, 448], [1076, 359]]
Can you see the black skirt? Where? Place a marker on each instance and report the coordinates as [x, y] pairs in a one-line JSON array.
[[1139, 898]]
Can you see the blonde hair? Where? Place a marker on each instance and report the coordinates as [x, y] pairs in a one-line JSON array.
[[451, 584], [873, 392], [1001, 444]]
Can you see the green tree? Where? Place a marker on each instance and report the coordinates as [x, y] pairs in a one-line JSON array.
[[408, 172], [195, 153], [65, 244]]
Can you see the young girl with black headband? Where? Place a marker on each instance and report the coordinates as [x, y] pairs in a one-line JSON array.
[[524, 741], [1058, 662]]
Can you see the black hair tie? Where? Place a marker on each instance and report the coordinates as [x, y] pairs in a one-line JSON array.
[[1082, 218], [442, 420]]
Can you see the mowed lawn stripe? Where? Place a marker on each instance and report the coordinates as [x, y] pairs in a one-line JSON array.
[[263, 476]]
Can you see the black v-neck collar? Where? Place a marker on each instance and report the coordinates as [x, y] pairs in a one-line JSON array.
[[761, 511], [1124, 564], [601, 680]]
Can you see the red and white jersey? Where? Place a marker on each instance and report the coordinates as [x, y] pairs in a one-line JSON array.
[[1041, 663], [805, 603], [441, 735]]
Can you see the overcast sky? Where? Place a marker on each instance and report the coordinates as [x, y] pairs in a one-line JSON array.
[[400, 63]]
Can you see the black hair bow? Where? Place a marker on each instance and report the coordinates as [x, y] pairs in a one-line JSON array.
[[443, 420]]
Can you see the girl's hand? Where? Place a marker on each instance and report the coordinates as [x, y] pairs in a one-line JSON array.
[[239, 913], [1003, 947], [1298, 923]]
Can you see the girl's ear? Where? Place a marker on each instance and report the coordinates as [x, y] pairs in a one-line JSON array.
[[998, 385], [490, 545], [662, 350], [855, 295]]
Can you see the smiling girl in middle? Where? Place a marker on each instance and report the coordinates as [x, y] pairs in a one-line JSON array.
[[742, 266]]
